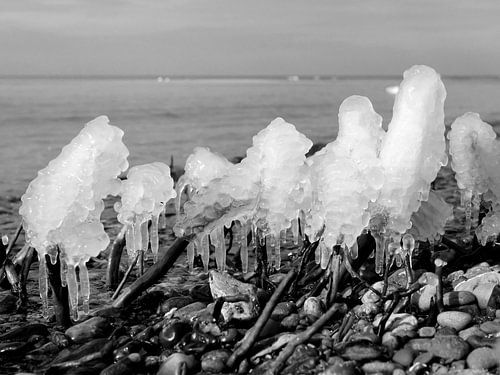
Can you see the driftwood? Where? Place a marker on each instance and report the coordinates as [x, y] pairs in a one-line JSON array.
[[152, 274], [253, 333], [113, 270]]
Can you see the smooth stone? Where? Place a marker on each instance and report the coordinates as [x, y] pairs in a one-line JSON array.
[[215, 360], [390, 341], [283, 310], [341, 368], [89, 329], [178, 363], [427, 331], [483, 293], [471, 331], [290, 322], [449, 347], [404, 357], [494, 302], [398, 322], [313, 307], [482, 358], [378, 367], [472, 309], [175, 303], [419, 345], [172, 333], [446, 331], [360, 352], [229, 336], [490, 326], [424, 358], [458, 298], [188, 312], [7, 303], [454, 319], [223, 285], [482, 341], [369, 296]]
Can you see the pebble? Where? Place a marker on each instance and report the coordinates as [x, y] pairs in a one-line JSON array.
[[446, 331], [172, 333], [458, 298], [449, 347], [313, 307], [291, 322], [378, 367], [360, 352], [398, 322], [482, 358], [283, 310], [404, 357], [483, 294], [471, 331], [174, 364], [92, 328], [419, 345], [490, 326], [341, 368], [424, 358], [454, 319], [427, 332], [215, 360], [222, 285]]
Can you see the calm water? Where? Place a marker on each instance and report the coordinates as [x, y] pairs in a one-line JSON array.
[[39, 116]]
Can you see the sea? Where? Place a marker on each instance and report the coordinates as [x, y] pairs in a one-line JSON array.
[[166, 117]]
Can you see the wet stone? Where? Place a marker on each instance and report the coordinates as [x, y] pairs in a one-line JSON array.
[[482, 358], [283, 310], [490, 326], [424, 358], [458, 298], [446, 331], [313, 307], [92, 328], [175, 302], [404, 357], [190, 311], [419, 345], [290, 322], [454, 319], [449, 347], [427, 332], [341, 368], [471, 331], [360, 352], [178, 363], [215, 360], [378, 367]]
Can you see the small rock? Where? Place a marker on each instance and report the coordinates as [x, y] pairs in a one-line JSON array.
[[428, 292], [454, 319], [291, 322], [313, 307], [458, 298], [188, 312], [359, 352], [175, 363], [341, 368], [172, 333], [471, 331], [283, 310], [404, 357], [222, 285], [215, 360], [424, 358], [472, 309], [449, 347], [446, 331], [378, 367], [490, 326], [427, 332], [92, 328], [483, 293], [482, 358], [390, 341], [398, 322], [419, 345]]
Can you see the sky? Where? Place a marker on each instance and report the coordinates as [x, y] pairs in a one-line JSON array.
[[254, 37]]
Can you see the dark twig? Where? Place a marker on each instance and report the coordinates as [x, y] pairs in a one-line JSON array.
[[253, 333], [59, 293], [127, 274], [113, 270], [152, 274], [14, 239], [390, 310]]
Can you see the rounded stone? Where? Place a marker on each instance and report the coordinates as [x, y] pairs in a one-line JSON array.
[[471, 331], [427, 332], [378, 367], [482, 358], [404, 357], [454, 319], [214, 361], [290, 322], [490, 326], [313, 307], [449, 347], [458, 298], [175, 364]]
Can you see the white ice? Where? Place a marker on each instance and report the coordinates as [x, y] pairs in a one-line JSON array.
[[475, 153], [265, 192], [144, 193], [63, 204]]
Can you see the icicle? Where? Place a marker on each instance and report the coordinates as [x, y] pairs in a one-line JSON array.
[[84, 285], [64, 272], [353, 251], [317, 254], [244, 247], [53, 258], [217, 239], [476, 203], [277, 252], [392, 250], [145, 236], [178, 200], [295, 231], [466, 203], [205, 251], [379, 252], [153, 235], [72, 290], [326, 253], [163, 218], [137, 237], [190, 256], [130, 242], [408, 247], [43, 285], [270, 244]]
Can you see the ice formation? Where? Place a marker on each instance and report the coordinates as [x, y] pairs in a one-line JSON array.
[[263, 194], [345, 176], [202, 166], [144, 194], [475, 153], [62, 206]]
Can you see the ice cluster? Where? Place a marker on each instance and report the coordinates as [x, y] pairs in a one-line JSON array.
[[475, 153], [62, 206], [263, 194], [365, 179], [144, 194]]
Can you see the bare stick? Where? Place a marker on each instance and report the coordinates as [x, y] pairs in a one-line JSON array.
[[152, 274], [113, 271], [59, 293], [14, 239], [253, 333], [125, 277], [301, 338]]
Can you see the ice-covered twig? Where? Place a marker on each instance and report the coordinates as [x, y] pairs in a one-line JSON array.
[[113, 269], [60, 293]]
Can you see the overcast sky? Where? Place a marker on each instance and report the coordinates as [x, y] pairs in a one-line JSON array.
[[231, 37]]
